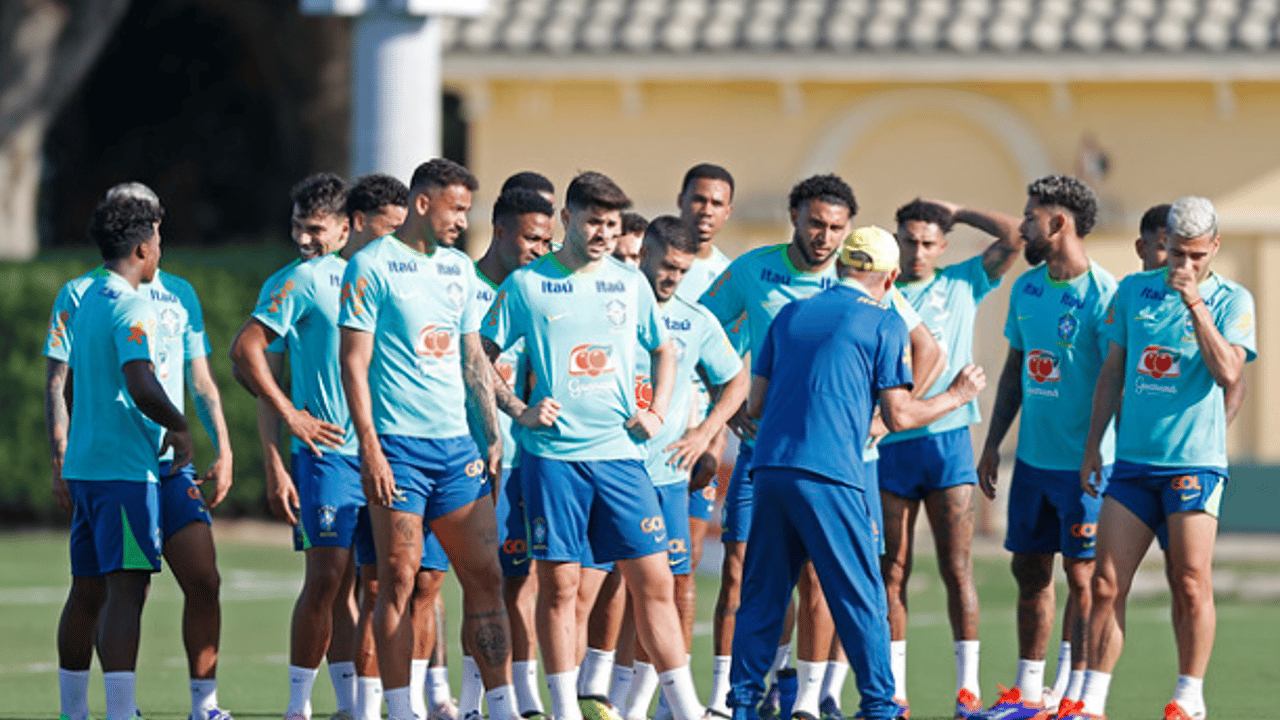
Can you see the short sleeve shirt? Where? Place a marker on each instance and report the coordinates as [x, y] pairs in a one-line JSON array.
[[699, 341], [581, 331], [1058, 328], [826, 359], [948, 305], [300, 305], [417, 307], [1173, 414], [109, 437]]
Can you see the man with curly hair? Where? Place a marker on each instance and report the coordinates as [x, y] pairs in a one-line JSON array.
[[1056, 349]]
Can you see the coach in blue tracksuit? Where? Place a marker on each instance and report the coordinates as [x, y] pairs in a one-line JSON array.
[[824, 364]]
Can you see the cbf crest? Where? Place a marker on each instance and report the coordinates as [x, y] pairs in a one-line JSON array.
[[1068, 324]]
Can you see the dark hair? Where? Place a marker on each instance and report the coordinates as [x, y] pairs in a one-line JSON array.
[[667, 231], [371, 192], [592, 189], [827, 188], [321, 193], [1070, 194], [441, 173], [633, 223], [511, 204], [121, 224], [529, 180], [1155, 219], [706, 171], [925, 212]]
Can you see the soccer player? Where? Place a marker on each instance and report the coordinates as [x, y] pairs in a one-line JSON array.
[[627, 247], [849, 350], [301, 306], [701, 347], [706, 203], [1056, 349], [583, 317], [1177, 337], [187, 540], [522, 227], [412, 395], [121, 421], [934, 465]]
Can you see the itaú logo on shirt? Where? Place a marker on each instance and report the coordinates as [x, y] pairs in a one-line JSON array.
[[435, 341], [1043, 366], [1159, 362], [591, 359], [644, 392]]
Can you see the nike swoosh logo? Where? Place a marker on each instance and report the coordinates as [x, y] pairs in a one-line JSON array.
[[1023, 317], [553, 318], [519, 560], [673, 563], [1192, 496]]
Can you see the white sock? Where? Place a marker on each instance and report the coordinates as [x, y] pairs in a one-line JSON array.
[[594, 672], [343, 677], [399, 705], [1075, 685], [1031, 680], [1062, 675], [204, 697], [418, 687], [121, 704], [781, 659], [620, 691], [720, 683], [1189, 693], [809, 677], [438, 692], [643, 684], [563, 689], [833, 683], [301, 681], [472, 688], [1096, 685], [898, 664], [524, 676], [967, 666], [73, 691], [499, 700], [368, 698], [682, 697]]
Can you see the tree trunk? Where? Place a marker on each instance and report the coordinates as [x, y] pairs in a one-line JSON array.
[[46, 47]]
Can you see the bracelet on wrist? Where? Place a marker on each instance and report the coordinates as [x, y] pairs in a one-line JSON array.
[[1197, 301], [660, 416]]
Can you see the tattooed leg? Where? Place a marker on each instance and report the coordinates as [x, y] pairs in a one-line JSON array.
[[951, 515], [397, 535]]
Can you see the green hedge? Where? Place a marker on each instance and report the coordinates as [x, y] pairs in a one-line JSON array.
[[227, 281]]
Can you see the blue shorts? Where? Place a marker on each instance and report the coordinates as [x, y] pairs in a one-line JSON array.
[[607, 508], [1048, 512], [914, 468], [1154, 493], [513, 531], [702, 503], [674, 499], [115, 525], [433, 555], [434, 477], [180, 500], [329, 496], [739, 499]]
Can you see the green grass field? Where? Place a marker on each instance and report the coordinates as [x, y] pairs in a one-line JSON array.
[[260, 583]]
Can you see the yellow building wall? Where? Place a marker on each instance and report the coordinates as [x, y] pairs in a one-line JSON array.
[[1162, 140]]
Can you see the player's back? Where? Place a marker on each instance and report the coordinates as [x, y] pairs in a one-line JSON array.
[[826, 358], [109, 438]]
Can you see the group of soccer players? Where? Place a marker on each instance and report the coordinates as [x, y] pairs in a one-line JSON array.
[[549, 420]]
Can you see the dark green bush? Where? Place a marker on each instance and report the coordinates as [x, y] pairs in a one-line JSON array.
[[227, 281]]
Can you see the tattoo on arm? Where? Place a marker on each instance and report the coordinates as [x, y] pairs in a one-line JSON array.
[[478, 373], [57, 415]]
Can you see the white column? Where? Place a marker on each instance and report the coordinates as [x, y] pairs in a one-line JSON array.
[[395, 93]]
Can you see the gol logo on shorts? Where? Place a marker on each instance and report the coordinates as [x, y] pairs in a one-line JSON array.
[[1084, 530], [515, 547], [653, 524], [1185, 482], [676, 546], [475, 468]]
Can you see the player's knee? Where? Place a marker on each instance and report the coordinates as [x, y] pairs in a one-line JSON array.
[[1104, 588], [483, 578], [1191, 586], [205, 586], [1032, 574]]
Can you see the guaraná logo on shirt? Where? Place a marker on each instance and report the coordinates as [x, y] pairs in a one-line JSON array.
[[1043, 366], [1159, 362], [591, 359]]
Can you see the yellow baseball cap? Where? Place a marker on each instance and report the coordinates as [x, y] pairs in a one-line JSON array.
[[872, 242]]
